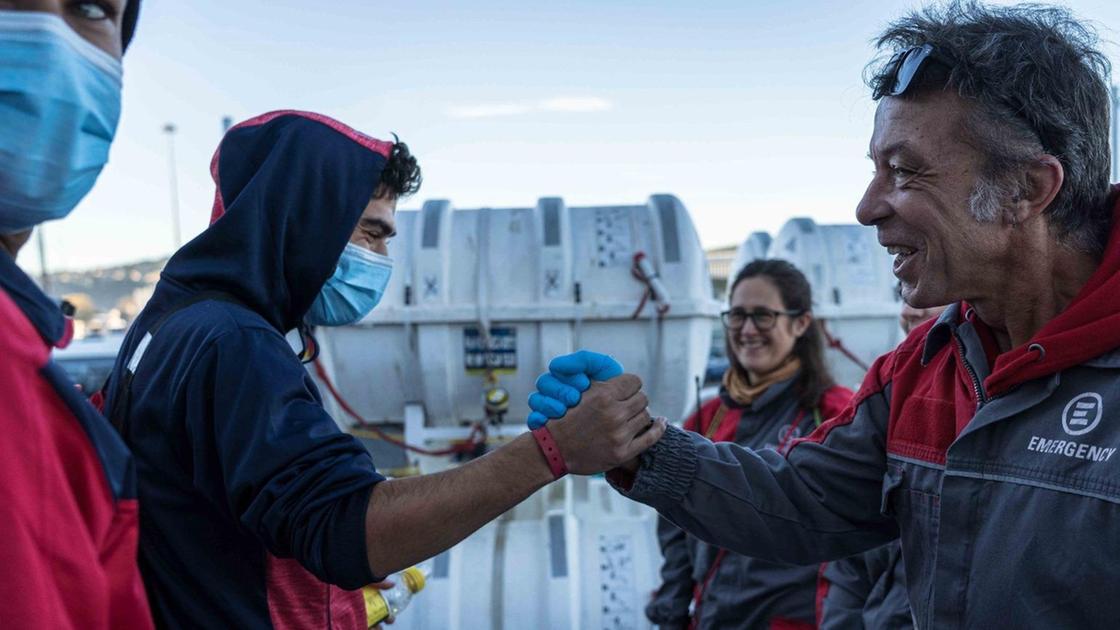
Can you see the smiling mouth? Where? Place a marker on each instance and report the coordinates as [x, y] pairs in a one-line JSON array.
[[901, 255], [752, 344]]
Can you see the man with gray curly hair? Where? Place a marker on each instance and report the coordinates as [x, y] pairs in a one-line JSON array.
[[987, 442]]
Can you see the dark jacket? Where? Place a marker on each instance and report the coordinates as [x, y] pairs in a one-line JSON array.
[[254, 500], [732, 590], [866, 591], [999, 472], [68, 512]]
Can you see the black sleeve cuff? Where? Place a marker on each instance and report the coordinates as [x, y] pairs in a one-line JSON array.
[[346, 559]]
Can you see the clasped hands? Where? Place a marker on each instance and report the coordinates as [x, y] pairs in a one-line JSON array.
[[597, 415]]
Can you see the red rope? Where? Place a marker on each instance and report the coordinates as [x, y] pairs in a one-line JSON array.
[[636, 271], [837, 344], [477, 435], [641, 305]]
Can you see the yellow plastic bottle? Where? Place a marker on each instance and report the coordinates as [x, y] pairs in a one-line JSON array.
[[380, 605]]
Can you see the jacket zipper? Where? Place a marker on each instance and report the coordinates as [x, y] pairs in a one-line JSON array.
[[980, 398]]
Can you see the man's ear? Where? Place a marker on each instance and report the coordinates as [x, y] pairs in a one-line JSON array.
[[1043, 180]]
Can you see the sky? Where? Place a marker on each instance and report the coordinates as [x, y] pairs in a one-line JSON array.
[[750, 112]]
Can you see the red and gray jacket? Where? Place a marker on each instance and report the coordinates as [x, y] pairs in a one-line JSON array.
[[732, 590], [68, 512], [999, 472]]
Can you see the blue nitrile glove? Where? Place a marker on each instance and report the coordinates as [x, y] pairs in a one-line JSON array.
[[554, 396], [598, 367], [569, 376]]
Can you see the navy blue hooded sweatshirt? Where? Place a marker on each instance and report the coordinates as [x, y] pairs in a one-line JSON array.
[[252, 500]]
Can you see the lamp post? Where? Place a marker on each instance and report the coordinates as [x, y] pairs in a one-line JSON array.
[[44, 275], [170, 129]]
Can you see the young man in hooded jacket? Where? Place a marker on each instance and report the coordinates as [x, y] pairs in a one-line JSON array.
[[258, 510], [68, 513], [987, 441]]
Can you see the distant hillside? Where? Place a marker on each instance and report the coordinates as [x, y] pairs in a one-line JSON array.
[[107, 288], [125, 286]]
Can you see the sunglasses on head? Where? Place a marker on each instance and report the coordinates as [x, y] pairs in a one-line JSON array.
[[907, 64]]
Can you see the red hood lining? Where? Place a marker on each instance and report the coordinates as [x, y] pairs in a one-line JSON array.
[[373, 144], [1088, 327]]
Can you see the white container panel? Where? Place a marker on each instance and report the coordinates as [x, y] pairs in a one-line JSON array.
[[853, 287], [589, 560], [378, 368], [544, 281]]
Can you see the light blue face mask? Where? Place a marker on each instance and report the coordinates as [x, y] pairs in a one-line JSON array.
[[60, 100], [353, 290]]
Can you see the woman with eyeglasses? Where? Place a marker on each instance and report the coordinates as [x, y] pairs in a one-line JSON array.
[[776, 389]]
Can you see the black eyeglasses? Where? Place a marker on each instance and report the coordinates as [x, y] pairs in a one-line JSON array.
[[763, 318]]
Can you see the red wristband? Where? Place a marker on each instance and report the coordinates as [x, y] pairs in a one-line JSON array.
[[551, 452]]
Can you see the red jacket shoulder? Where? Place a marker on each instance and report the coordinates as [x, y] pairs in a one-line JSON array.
[[20, 343], [834, 399]]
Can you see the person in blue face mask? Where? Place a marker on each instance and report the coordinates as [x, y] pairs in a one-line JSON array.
[[68, 510], [355, 287], [259, 511]]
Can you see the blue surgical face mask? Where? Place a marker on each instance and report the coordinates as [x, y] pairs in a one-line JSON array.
[[353, 290], [60, 100]]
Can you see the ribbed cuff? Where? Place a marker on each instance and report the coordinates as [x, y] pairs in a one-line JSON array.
[[666, 472]]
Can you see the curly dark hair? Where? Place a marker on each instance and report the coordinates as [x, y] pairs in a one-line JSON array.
[[1039, 85], [401, 176], [797, 296]]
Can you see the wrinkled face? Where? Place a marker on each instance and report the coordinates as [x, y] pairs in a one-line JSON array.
[[763, 351], [918, 199], [98, 22], [377, 225]]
